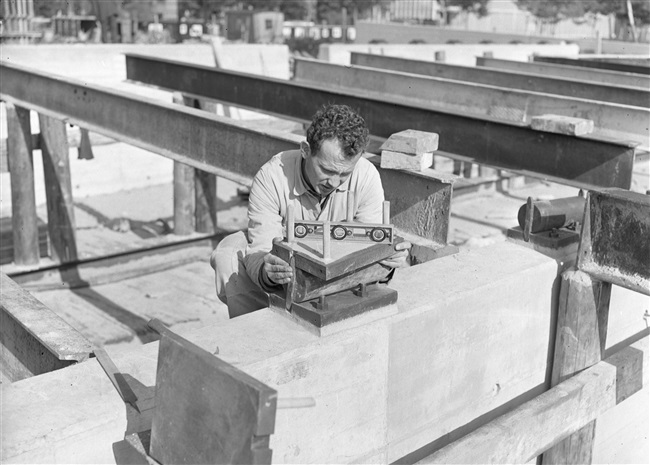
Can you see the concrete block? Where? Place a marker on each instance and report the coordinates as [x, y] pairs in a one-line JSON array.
[[562, 124], [412, 142], [403, 161]]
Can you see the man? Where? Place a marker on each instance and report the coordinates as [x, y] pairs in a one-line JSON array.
[[314, 179]]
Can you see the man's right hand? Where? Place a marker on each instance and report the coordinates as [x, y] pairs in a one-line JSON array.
[[276, 271]]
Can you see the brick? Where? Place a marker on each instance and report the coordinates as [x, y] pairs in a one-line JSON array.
[[562, 124], [404, 161], [412, 142]]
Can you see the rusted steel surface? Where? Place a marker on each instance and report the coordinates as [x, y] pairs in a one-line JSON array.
[[207, 411], [594, 161], [615, 241]]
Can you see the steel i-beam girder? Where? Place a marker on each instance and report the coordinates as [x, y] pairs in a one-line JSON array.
[[579, 161]]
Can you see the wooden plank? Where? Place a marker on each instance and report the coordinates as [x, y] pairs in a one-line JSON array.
[[116, 267], [23, 197], [580, 343], [521, 434], [34, 340], [58, 189], [208, 411], [117, 378]]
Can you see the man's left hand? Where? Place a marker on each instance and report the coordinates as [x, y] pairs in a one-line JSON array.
[[400, 259]]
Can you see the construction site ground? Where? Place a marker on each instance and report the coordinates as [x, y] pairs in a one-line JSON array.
[[124, 202]]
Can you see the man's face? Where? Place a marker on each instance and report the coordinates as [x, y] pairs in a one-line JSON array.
[[328, 168]]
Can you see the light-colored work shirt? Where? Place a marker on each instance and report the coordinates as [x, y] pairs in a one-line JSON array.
[[280, 183]]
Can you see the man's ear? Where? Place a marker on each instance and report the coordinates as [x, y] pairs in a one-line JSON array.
[[305, 150]]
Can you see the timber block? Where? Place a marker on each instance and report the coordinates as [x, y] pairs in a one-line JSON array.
[[343, 311], [404, 161], [412, 142], [562, 124]]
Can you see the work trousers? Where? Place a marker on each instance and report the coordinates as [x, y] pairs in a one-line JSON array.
[[234, 287]]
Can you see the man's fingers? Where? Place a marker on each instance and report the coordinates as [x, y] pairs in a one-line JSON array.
[[406, 245]]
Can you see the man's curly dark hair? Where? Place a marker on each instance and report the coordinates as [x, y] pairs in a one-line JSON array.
[[339, 122]]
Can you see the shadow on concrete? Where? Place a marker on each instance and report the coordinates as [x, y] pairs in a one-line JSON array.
[[135, 322]]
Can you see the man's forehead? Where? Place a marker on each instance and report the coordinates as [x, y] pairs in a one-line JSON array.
[[331, 153]]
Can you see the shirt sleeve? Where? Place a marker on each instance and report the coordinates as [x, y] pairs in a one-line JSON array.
[[370, 195], [264, 223]]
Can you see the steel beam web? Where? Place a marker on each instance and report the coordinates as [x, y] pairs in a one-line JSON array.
[[576, 160], [215, 144]]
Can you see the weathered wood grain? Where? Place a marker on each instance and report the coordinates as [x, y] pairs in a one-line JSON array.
[[23, 198], [580, 343], [58, 189]]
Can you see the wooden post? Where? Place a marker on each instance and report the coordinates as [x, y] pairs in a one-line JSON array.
[[23, 198], [58, 189], [183, 199], [184, 188], [580, 343], [195, 192], [206, 202], [85, 150]]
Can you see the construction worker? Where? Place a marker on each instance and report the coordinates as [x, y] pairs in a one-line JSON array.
[[314, 179]]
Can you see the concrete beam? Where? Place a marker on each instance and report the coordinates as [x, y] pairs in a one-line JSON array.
[[397, 362], [458, 354], [484, 139], [524, 433], [33, 339], [620, 122], [596, 64], [525, 81], [601, 76]]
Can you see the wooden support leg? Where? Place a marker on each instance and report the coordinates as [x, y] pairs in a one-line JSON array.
[[206, 202], [581, 335], [457, 167], [196, 196], [23, 198], [58, 189], [183, 199], [467, 170], [85, 150]]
